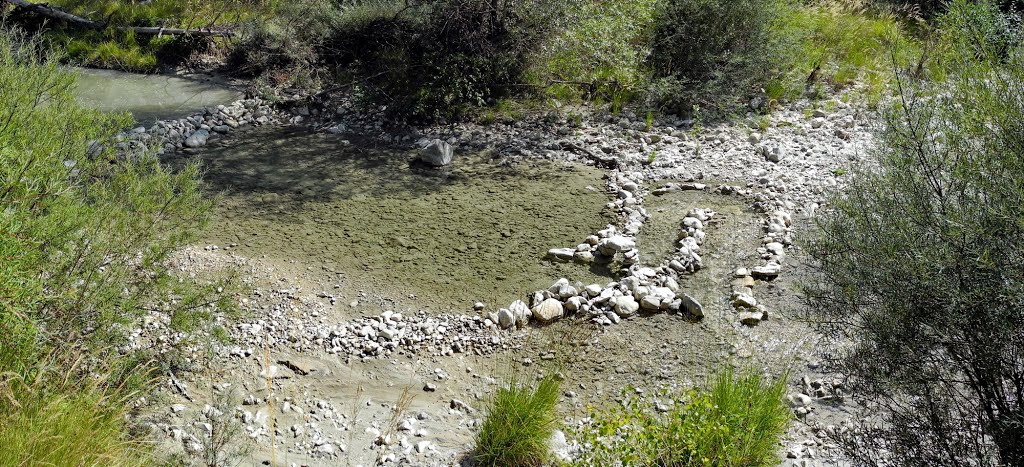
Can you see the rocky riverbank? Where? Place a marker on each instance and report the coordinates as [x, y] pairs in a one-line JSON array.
[[286, 354]]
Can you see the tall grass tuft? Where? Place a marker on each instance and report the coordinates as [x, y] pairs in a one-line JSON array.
[[56, 417], [736, 421], [518, 424]]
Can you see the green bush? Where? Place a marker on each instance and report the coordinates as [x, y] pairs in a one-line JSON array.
[[116, 49], [433, 59], [710, 53], [284, 49], [736, 421], [920, 276], [518, 425], [835, 46], [600, 51], [84, 239]]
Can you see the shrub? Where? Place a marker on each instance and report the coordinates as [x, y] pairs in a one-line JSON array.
[[84, 238], [709, 53], [433, 59], [600, 51], [737, 421], [920, 276], [284, 48], [518, 425]]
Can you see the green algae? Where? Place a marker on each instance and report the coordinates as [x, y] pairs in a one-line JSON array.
[[477, 231]]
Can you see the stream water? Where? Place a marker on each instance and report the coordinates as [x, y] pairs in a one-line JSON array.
[[477, 231], [151, 97]]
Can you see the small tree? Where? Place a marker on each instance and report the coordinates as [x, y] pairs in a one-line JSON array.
[[920, 283]]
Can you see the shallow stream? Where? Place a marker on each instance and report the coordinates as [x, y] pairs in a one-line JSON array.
[[151, 97], [476, 231], [368, 217]]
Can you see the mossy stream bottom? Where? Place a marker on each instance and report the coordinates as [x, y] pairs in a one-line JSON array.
[[476, 231]]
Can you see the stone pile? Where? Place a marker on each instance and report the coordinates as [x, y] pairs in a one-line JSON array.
[[193, 131], [649, 289], [778, 236], [604, 246]]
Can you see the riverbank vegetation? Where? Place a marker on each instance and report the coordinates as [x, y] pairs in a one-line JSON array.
[[919, 276], [84, 239], [435, 59], [734, 420]]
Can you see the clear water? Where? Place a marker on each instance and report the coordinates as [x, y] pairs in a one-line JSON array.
[[151, 97], [477, 231]]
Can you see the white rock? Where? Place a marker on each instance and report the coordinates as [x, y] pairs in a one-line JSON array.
[[750, 318], [548, 310], [506, 318], [742, 300], [561, 254], [325, 449], [651, 303], [437, 153], [692, 306], [620, 243], [625, 305], [770, 270], [560, 447], [197, 139]]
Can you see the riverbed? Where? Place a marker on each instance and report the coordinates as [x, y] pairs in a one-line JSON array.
[[476, 231]]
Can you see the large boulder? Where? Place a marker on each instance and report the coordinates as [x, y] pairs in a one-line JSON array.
[[437, 153], [549, 310]]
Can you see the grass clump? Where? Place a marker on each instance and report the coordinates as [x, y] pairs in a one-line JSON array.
[[518, 424], [736, 421], [58, 418]]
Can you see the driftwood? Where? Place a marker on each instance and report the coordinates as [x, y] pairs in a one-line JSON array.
[[610, 163], [56, 13]]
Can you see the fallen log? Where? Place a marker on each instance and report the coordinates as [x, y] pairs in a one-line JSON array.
[[56, 13]]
